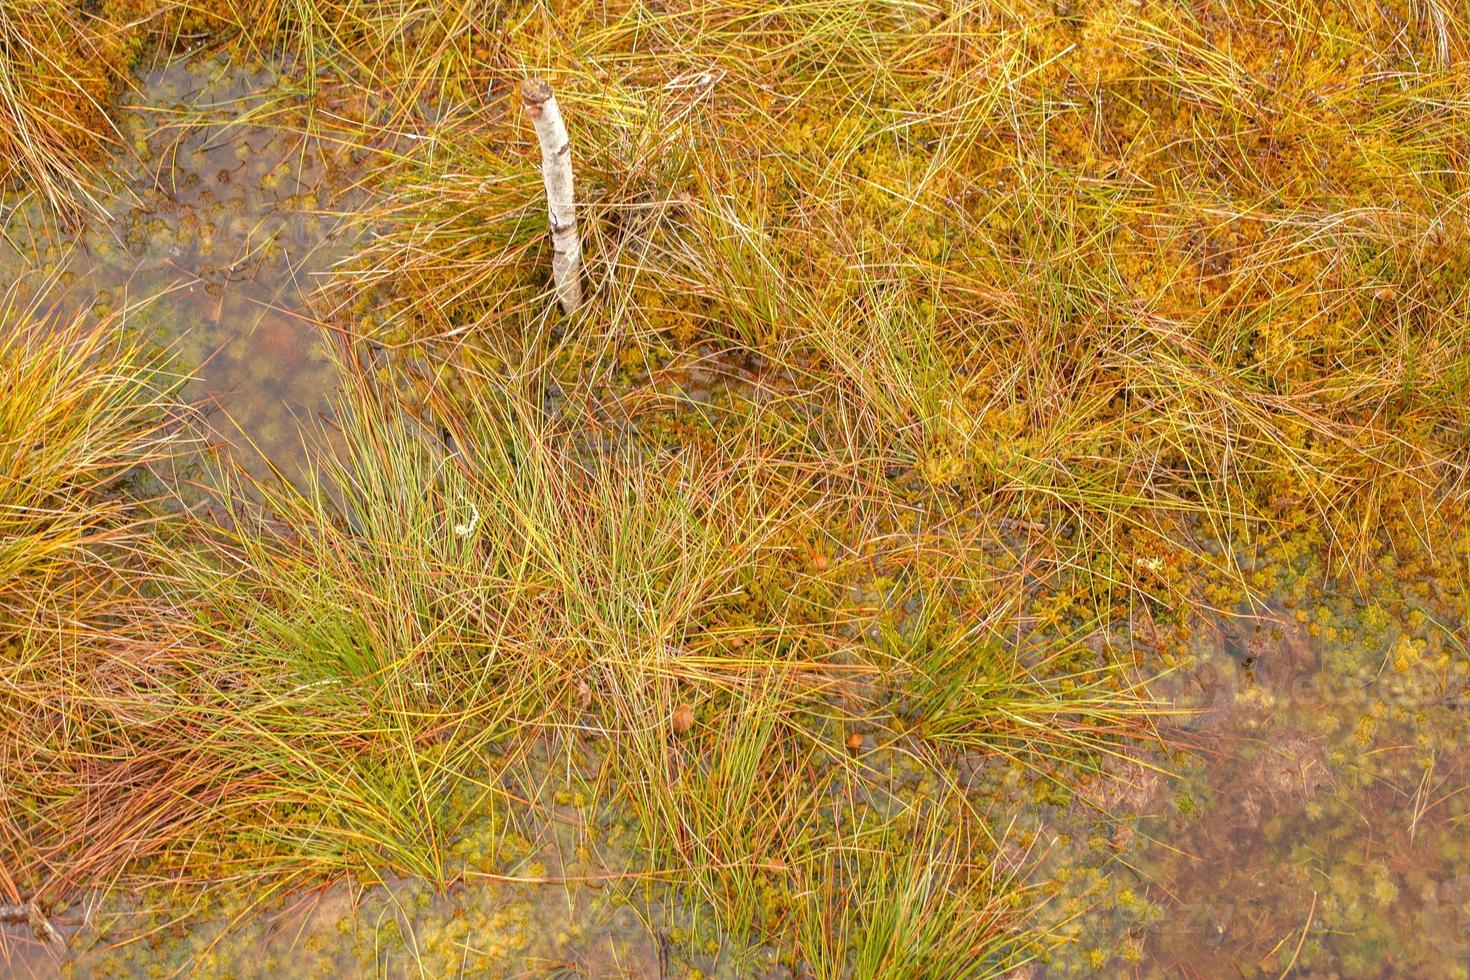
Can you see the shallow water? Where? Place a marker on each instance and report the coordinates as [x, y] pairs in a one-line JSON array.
[[1330, 827], [215, 242], [1318, 824]]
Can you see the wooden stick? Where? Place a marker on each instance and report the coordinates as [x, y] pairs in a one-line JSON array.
[[556, 172]]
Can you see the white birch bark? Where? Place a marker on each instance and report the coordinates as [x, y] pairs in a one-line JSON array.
[[556, 172]]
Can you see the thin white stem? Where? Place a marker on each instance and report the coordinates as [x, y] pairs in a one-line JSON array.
[[556, 171]]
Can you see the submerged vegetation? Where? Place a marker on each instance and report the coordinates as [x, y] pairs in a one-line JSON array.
[[949, 378]]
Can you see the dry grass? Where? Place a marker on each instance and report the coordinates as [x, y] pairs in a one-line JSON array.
[[926, 344], [78, 411], [61, 69]]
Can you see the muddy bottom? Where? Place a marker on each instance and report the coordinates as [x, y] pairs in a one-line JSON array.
[[1318, 824]]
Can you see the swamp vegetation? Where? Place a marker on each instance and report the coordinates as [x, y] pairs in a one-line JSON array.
[[999, 508]]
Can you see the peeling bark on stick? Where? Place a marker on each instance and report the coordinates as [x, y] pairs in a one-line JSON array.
[[556, 172]]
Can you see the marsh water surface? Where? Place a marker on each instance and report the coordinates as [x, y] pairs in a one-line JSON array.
[[214, 248]]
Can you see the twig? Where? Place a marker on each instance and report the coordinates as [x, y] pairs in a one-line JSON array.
[[1302, 941]]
